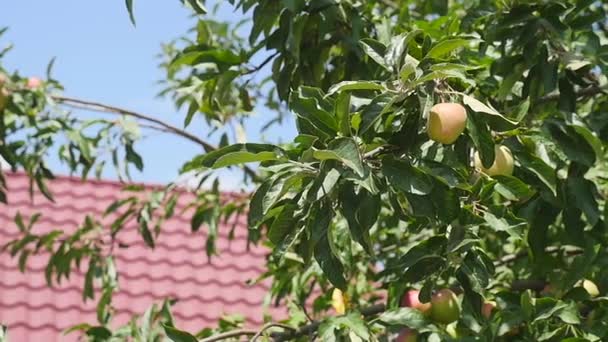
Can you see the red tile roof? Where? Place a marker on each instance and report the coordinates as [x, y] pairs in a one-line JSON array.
[[178, 267]]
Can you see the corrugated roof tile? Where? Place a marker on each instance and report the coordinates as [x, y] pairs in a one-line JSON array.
[[178, 267]]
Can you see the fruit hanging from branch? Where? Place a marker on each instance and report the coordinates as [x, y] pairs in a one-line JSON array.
[[411, 300], [339, 301], [407, 335], [34, 82], [445, 307], [446, 122], [503, 162]]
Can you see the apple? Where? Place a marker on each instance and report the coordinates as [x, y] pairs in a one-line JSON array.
[[445, 307], [503, 162], [407, 335], [591, 288], [339, 301], [547, 291], [446, 122], [34, 82], [487, 308], [4, 98], [410, 300]]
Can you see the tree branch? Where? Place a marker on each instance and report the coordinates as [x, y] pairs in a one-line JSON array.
[[594, 90], [227, 335], [271, 325], [551, 249], [312, 327], [161, 125]]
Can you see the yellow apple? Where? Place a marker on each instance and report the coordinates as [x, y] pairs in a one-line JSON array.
[[591, 288], [339, 301], [446, 122], [503, 162]]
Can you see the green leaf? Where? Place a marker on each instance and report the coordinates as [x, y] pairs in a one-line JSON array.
[[512, 188], [375, 50], [355, 85], [133, 157], [580, 191], [406, 177], [361, 212], [197, 55], [397, 50], [380, 105], [196, 5], [542, 170], [423, 268], [445, 47], [409, 317], [329, 262], [482, 139], [283, 224], [344, 150], [480, 107], [101, 333], [238, 154], [310, 105], [129, 4], [178, 335], [343, 113]]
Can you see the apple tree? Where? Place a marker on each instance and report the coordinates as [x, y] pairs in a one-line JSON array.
[[448, 179]]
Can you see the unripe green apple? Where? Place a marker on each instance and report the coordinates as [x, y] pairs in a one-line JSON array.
[[487, 308], [407, 335], [446, 122], [34, 82], [445, 307], [591, 288], [503, 162], [410, 300]]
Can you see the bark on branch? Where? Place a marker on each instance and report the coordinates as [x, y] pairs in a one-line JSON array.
[[159, 124]]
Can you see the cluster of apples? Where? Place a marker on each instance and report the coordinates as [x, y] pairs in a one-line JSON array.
[[5, 94], [446, 121], [443, 308]]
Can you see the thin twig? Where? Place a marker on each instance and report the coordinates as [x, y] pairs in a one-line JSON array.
[[271, 325], [591, 91], [85, 104], [551, 249], [162, 126], [312, 327], [261, 65], [229, 334]]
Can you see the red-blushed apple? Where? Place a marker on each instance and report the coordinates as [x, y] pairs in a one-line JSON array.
[[407, 335], [446, 122], [487, 308], [591, 288], [339, 301], [34, 82], [503, 162], [445, 307], [411, 300]]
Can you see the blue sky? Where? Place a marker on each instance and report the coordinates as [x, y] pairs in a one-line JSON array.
[[100, 56]]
